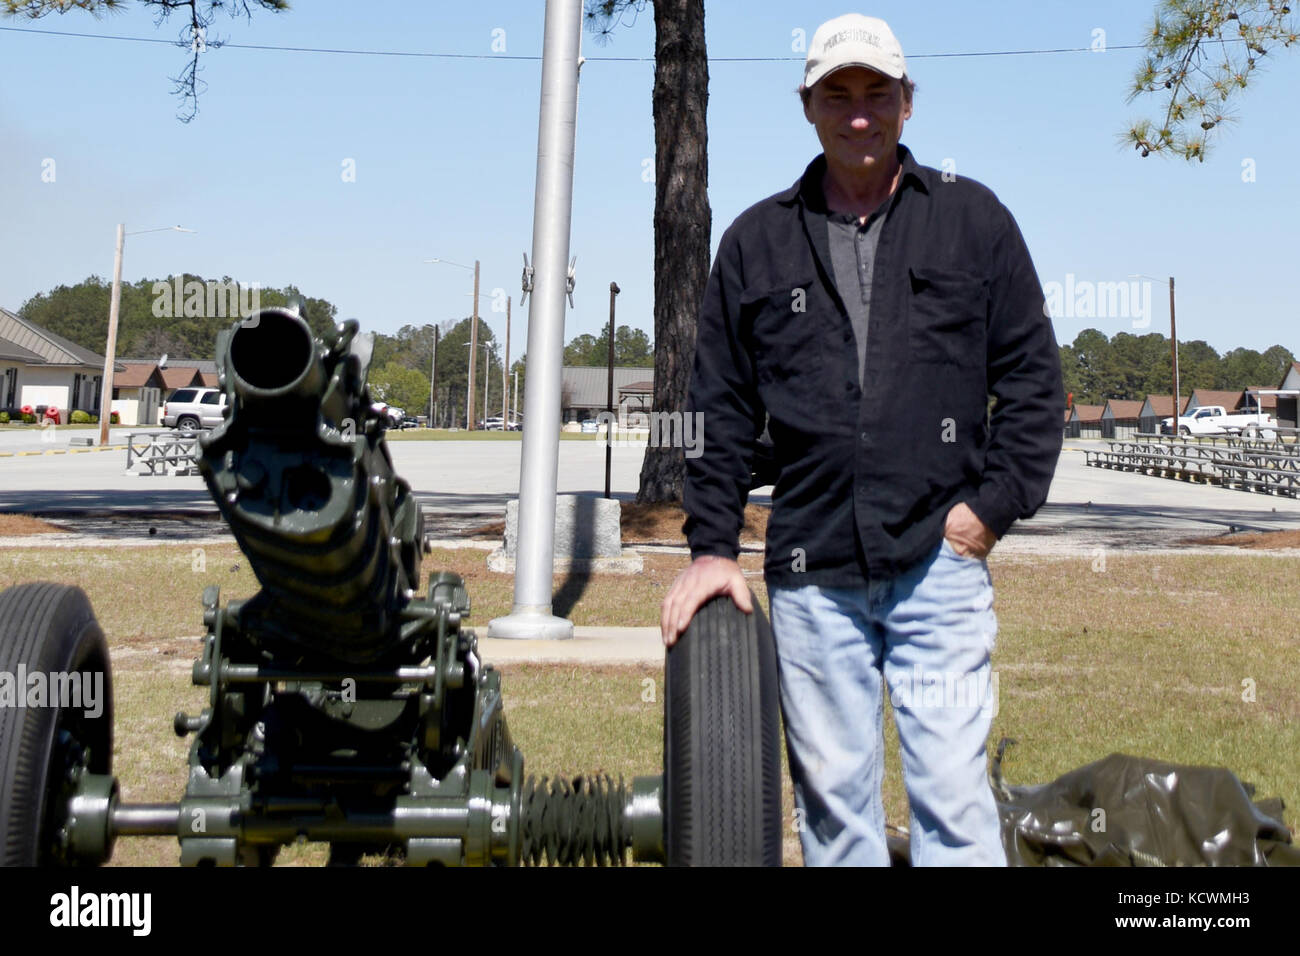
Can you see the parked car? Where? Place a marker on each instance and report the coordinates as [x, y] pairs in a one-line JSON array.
[[492, 424], [409, 421], [1215, 420], [190, 409], [590, 427], [392, 415]]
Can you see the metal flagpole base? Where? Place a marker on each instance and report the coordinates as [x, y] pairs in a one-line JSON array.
[[530, 623]]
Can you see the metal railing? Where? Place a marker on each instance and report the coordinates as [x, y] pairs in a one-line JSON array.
[[163, 452]]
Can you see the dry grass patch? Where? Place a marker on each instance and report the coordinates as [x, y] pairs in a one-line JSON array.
[[16, 525], [1186, 658], [658, 524], [1255, 541]]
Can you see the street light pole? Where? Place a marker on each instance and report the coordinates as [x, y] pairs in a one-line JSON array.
[[1173, 344], [110, 350], [505, 373], [433, 372], [473, 341], [469, 384], [114, 307], [487, 377]]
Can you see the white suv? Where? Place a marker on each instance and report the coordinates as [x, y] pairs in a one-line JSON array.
[[193, 408]]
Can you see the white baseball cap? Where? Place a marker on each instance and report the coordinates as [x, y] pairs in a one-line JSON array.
[[853, 40]]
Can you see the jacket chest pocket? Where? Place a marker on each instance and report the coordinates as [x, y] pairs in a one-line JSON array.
[[947, 309], [788, 339]]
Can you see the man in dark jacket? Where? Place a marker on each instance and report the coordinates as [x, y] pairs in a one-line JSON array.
[[868, 312]]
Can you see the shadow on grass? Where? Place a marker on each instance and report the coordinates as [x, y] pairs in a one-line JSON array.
[[570, 593]]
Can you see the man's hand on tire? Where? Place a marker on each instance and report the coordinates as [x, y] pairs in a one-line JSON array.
[[706, 578]]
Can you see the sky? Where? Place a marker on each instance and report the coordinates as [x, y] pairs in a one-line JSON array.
[[341, 173]]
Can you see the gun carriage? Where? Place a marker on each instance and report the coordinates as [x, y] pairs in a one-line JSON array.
[[345, 704]]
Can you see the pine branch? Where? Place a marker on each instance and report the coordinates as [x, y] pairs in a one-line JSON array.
[[1200, 56]]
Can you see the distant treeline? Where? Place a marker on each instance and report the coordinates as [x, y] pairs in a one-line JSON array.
[[180, 316], [1133, 366]]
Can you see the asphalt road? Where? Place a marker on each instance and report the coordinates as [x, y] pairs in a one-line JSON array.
[[470, 482]]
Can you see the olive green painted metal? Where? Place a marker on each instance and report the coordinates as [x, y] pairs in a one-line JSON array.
[[343, 707]]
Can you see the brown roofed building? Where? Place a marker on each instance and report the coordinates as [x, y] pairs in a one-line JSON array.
[[1267, 403], [1157, 407], [1230, 400], [181, 376], [1084, 422], [1121, 418]]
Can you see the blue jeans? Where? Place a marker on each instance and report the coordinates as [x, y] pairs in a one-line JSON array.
[[931, 631]]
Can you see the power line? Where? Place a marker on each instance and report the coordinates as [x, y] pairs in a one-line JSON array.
[[504, 56]]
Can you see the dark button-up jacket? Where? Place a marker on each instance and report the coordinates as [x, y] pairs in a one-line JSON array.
[[868, 474]]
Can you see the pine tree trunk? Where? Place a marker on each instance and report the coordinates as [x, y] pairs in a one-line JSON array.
[[682, 223]]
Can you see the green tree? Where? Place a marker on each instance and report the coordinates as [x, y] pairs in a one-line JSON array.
[[453, 373], [150, 322], [631, 348], [1097, 375], [1200, 54], [1277, 362], [581, 351], [398, 385], [682, 217], [1198, 366], [193, 34]]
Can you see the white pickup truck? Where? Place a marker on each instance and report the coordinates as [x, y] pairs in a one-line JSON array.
[[1215, 420]]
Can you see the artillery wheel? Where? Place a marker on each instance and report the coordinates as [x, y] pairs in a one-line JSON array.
[[722, 741], [47, 628]]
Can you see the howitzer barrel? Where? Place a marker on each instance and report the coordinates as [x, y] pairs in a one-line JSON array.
[[300, 472], [273, 356]]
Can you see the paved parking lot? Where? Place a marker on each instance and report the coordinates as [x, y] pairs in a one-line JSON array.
[[466, 483]]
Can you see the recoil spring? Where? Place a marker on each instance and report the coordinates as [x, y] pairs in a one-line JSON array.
[[572, 823]]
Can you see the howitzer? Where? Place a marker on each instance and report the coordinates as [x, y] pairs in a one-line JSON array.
[[344, 708]]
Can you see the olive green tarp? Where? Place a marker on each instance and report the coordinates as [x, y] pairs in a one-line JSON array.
[[1136, 811]]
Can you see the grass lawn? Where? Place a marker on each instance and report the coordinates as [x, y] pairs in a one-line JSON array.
[[1152, 656]]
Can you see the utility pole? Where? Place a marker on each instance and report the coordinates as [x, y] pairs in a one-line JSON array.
[[487, 377], [114, 305], [505, 376], [473, 346], [433, 372], [1173, 344]]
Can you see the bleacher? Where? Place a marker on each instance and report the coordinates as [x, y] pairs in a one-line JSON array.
[[1268, 466]]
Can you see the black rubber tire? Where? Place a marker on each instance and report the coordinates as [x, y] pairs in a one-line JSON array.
[[722, 741], [187, 423], [46, 628]]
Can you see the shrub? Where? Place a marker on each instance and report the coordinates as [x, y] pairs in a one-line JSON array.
[[29, 418], [79, 418], [94, 419], [4, 418], [114, 419]]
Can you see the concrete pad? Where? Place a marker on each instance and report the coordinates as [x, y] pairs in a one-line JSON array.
[[590, 645]]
